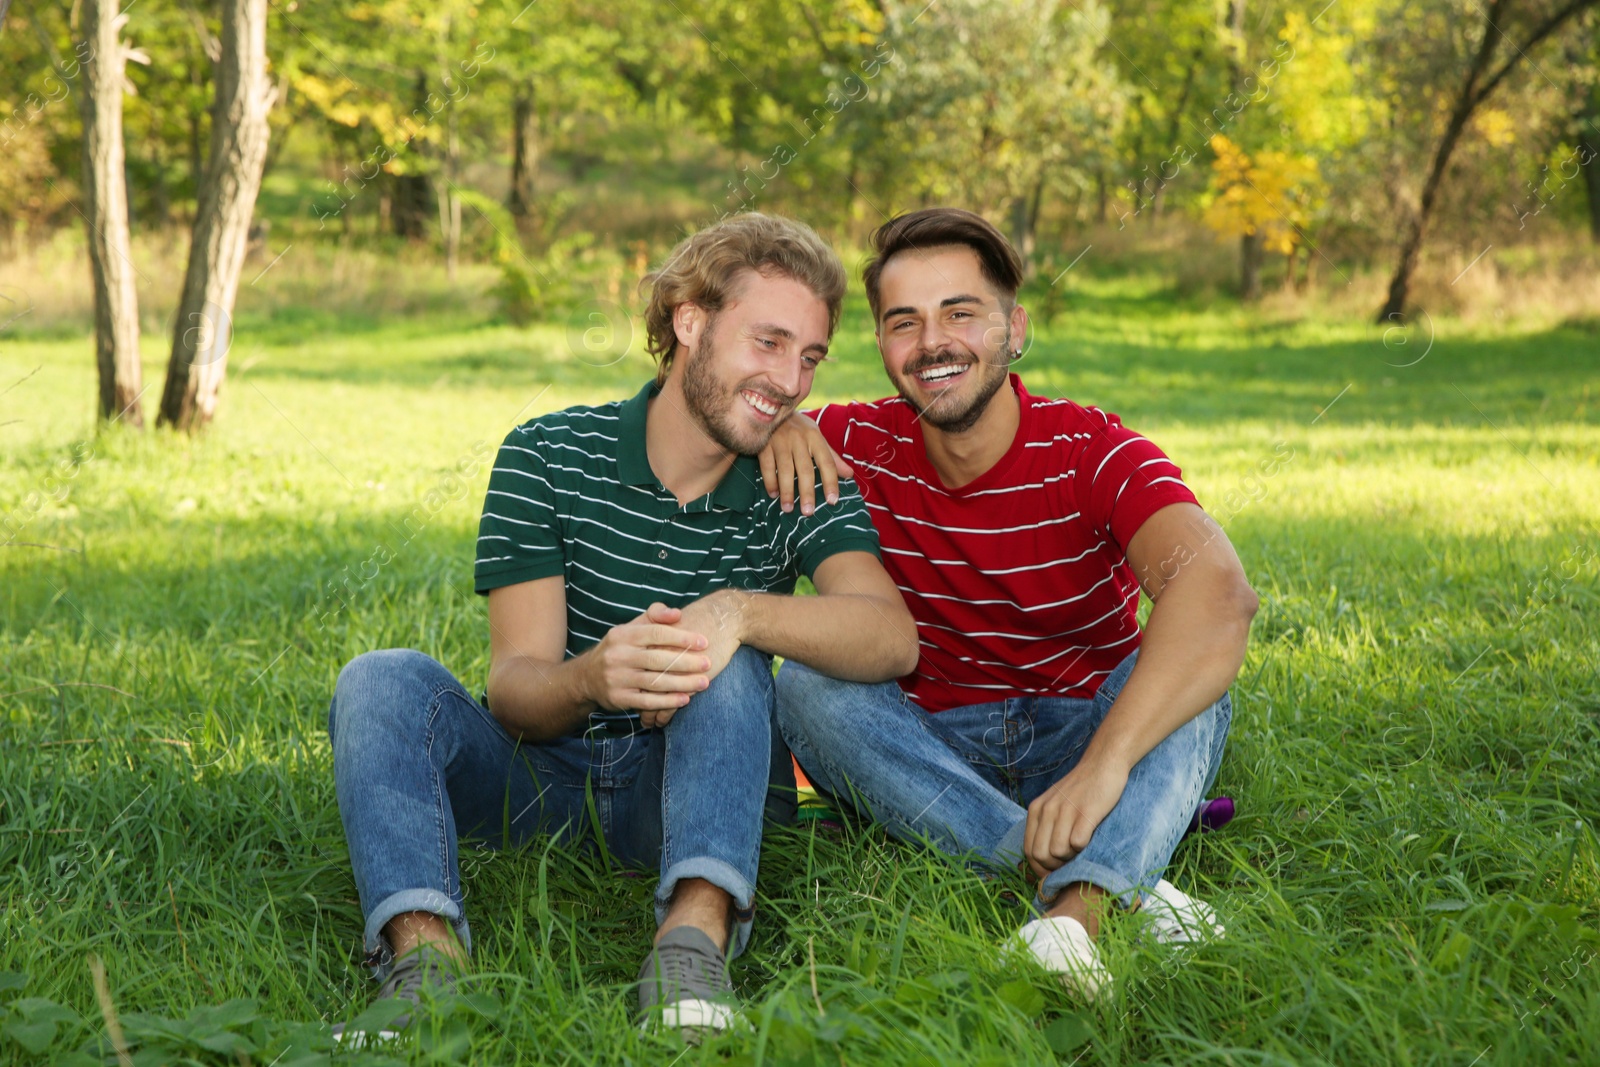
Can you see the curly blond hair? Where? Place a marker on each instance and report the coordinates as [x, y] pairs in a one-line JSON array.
[[704, 269]]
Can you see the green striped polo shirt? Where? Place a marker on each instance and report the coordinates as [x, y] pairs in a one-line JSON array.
[[572, 493]]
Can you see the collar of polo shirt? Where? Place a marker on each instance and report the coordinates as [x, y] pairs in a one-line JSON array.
[[736, 491]]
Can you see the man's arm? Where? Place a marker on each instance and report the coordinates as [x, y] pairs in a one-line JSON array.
[[797, 455], [1193, 645], [856, 628], [649, 665]]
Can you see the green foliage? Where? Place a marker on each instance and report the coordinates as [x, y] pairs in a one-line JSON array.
[[646, 120], [992, 100]]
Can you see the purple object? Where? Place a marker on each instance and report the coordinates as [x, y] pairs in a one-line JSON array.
[[1211, 815]]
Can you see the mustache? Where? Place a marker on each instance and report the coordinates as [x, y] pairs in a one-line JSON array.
[[936, 359]]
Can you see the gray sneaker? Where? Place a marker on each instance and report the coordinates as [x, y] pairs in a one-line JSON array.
[[426, 968], [684, 985]]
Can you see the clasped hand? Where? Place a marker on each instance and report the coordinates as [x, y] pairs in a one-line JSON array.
[[658, 661]]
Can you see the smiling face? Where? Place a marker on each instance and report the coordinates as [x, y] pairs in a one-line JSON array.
[[946, 334], [751, 364]]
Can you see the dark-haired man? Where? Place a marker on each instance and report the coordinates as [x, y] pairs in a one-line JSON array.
[[637, 582], [1040, 723]]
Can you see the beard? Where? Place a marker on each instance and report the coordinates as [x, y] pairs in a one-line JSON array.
[[958, 417], [711, 402]]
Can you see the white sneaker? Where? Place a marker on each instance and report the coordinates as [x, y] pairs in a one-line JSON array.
[[1063, 947], [1179, 919]]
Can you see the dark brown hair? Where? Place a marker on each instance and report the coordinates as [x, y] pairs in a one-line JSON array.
[[705, 268], [936, 226]]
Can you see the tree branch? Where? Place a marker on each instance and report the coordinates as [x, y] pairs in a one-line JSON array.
[[816, 33], [1540, 32], [50, 50]]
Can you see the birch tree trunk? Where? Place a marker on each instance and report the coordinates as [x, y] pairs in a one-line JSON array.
[[449, 202], [203, 332], [105, 202]]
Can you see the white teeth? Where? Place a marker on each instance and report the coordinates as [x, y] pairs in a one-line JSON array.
[[949, 370], [761, 404]]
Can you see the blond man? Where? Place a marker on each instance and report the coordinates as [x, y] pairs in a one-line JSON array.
[[638, 583]]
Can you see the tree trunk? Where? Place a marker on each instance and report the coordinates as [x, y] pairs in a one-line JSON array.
[[1250, 243], [1589, 145], [1416, 230], [449, 202], [1033, 214], [203, 332], [160, 199], [1475, 89], [854, 204], [412, 203], [1588, 149], [1022, 232], [524, 158], [1250, 266], [1158, 201], [105, 201], [449, 226], [196, 117]]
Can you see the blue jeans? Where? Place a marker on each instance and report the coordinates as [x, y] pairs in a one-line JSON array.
[[419, 764], [962, 779]]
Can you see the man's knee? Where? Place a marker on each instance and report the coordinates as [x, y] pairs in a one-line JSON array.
[[814, 709], [745, 681], [1205, 735], [741, 694], [382, 690]]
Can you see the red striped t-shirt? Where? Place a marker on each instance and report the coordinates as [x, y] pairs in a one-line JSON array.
[[1018, 581]]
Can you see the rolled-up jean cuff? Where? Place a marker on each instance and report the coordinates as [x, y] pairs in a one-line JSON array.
[[1008, 853], [1126, 892], [725, 878], [408, 900]]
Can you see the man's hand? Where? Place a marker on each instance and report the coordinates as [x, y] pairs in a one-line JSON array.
[[1063, 819], [719, 619], [798, 451], [651, 665]]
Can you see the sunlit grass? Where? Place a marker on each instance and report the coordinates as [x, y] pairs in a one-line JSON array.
[[1416, 748]]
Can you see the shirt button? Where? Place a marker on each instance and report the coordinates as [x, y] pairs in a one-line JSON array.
[[662, 554]]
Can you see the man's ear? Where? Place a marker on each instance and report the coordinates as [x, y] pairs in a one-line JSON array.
[[1019, 330], [688, 320]]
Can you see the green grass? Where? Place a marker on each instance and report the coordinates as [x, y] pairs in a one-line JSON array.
[[1413, 878]]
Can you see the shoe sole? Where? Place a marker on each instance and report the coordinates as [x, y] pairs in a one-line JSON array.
[[693, 1018], [1086, 980], [1185, 922], [356, 1040]]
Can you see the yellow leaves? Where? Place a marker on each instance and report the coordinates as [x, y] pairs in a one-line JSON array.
[[332, 97], [1496, 126], [1272, 193], [341, 100], [1319, 99]]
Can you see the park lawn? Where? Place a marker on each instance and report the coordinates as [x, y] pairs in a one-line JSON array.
[[1413, 877]]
